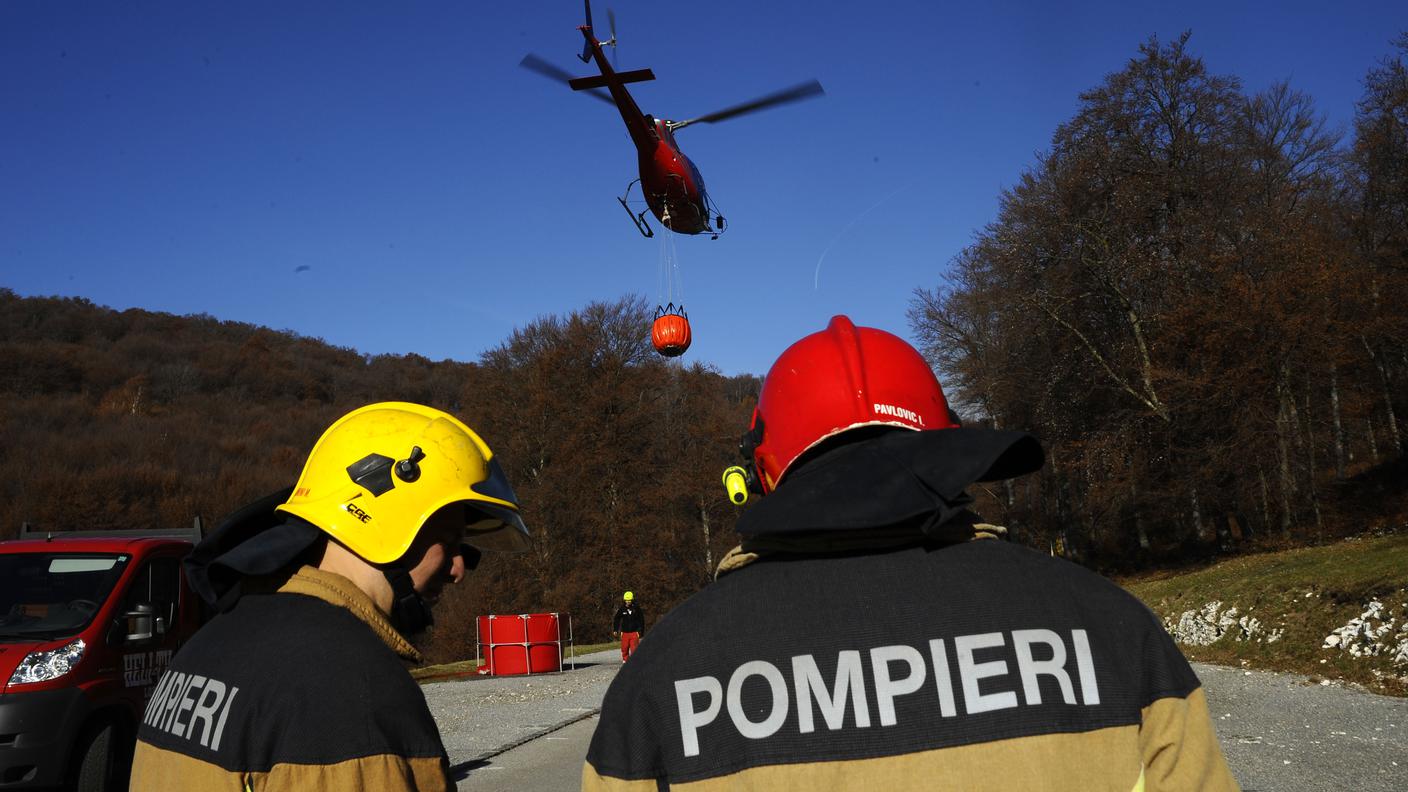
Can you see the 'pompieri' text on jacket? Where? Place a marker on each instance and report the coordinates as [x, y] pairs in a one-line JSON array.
[[894, 671]]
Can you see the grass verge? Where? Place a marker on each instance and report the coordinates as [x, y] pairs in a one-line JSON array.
[[1306, 594]]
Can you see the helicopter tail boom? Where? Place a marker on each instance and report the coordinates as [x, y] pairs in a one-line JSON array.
[[586, 55], [599, 81]]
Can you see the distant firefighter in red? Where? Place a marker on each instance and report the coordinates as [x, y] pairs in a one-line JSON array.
[[628, 624]]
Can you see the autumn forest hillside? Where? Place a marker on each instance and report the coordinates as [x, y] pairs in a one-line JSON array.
[[1198, 298], [135, 419]]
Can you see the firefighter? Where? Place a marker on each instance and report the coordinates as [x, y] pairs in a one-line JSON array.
[[872, 631], [628, 624], [298, 682]]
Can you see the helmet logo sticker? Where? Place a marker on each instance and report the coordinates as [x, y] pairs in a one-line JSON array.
[[372, 472], [356, 511], [898, 412]]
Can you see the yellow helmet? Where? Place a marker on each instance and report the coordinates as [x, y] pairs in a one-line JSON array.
[[379, 472], [629, 596]]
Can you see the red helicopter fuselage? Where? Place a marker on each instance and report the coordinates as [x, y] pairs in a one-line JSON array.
[[673, 186]]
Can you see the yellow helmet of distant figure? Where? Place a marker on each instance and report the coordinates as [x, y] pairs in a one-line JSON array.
[[629, 596], [379, 472]]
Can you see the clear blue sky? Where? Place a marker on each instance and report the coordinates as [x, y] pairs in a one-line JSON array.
[[192, 157]]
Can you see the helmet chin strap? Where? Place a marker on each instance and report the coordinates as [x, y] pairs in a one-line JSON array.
[[409, 612]]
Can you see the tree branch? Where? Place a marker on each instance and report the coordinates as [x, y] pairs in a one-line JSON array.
[[1157, 407]]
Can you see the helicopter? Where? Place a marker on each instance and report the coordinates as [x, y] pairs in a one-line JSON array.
[[672, 185]]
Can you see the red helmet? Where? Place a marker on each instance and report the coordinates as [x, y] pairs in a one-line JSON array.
[[842, 378]]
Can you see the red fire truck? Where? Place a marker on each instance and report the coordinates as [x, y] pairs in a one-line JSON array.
[[88, 623]]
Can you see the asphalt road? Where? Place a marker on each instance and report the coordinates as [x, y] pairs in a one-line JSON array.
[[1280, 732], [481, 717], [551, 762], [1284, 733]]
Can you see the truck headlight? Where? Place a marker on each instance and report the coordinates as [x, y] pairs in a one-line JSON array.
[[51, 664]]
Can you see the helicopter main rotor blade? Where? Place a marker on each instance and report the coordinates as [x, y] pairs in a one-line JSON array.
[[793, 94], [533, 63]]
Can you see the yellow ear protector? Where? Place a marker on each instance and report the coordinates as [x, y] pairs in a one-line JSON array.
[[739, 480]]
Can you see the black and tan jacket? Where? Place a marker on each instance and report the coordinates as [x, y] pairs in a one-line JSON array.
[[302, 688], [900, 658]]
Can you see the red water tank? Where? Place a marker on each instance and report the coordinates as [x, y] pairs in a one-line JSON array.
[[526, 643]]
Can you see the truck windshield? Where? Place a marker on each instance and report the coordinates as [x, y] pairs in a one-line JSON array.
[[52, 595]]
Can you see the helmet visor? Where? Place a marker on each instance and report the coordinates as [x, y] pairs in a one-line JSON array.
[[489, 526], [495, 485]]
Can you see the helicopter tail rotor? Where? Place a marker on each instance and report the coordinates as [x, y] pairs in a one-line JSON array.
[[586, 56], [611, 23]]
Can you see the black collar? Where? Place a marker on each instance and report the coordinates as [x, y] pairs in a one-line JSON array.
[[891, 480]]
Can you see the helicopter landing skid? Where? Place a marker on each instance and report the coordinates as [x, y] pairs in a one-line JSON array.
[[641, 226], [639, 219]]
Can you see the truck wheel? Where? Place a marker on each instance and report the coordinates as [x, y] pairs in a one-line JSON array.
[[96, 765]]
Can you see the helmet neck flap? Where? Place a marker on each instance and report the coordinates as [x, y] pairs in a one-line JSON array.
[[252, 542], [890, 486]]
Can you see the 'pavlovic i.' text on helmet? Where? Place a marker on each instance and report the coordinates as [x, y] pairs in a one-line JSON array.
[[379, 472], [841, 378]]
